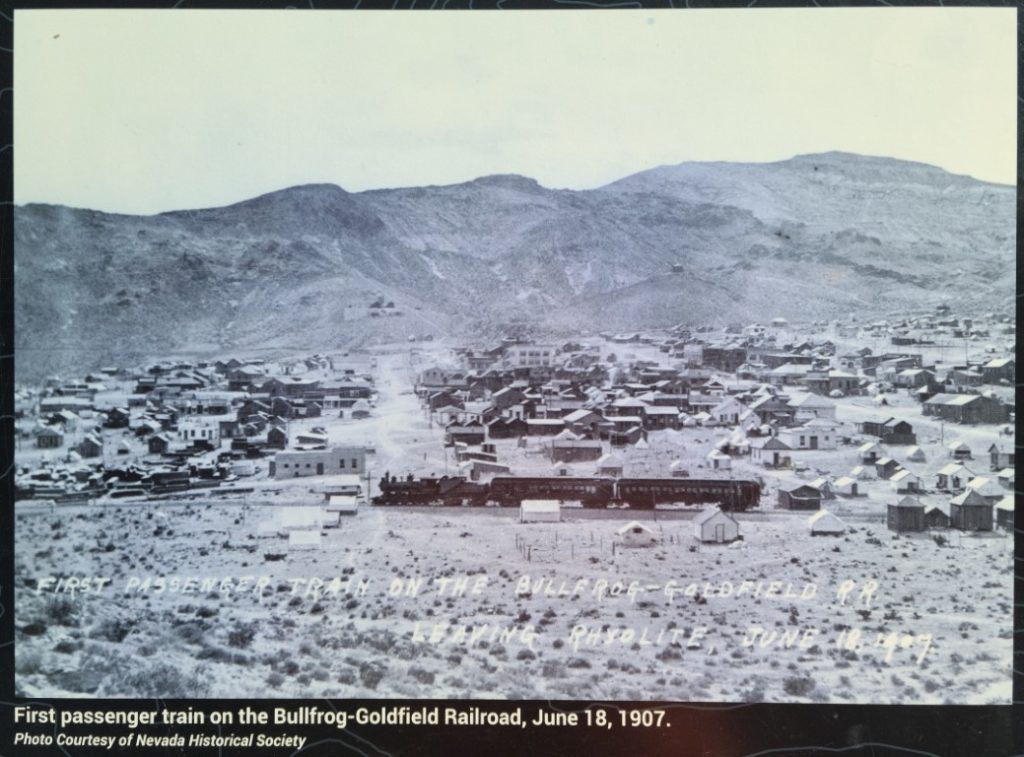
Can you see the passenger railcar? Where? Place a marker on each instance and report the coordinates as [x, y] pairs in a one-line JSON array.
[[645, 493], [596, 492], [510, 491]]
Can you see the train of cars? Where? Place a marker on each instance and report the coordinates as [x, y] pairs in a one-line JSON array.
[[592, 492]]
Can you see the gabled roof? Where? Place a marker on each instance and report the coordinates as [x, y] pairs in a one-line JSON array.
[[909, 502], [969, 498], [823, 520], [951, 469], [705, 515]]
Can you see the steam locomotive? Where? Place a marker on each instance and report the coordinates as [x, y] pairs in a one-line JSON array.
[[593, 492]]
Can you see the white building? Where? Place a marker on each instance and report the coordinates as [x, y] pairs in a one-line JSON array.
[[319, 462], [530, 355], [715, 527], [540, 511]]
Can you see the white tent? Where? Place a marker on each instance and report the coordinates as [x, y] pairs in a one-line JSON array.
[[636, 534], [915, 454], [824, 523]]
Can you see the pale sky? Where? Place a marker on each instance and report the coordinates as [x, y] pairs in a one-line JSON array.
[[142, 111]]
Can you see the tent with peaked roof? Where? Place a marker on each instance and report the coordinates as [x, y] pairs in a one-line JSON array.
[[636, 534], [824, 523]]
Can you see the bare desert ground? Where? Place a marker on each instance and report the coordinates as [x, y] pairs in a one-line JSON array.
[[461, 603]]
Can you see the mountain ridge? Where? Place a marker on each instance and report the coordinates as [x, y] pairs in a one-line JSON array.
[[304, 263]]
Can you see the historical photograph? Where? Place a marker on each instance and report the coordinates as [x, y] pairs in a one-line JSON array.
[[613, 355]]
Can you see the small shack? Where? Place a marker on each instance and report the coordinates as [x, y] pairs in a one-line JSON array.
[[48, 437], [936, 516], [824, 523], [636, 534], [799, 497], [953, 477], [970, 512], [1004, 513], [886, 468], [959, 450], [540, 511], [846, 486], [907, 515], [869, 452], [905, 482], [824, 486], [715, 527]]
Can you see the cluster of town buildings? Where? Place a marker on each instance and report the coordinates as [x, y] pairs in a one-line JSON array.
[[770, 398], [173, 426], [771, 401]]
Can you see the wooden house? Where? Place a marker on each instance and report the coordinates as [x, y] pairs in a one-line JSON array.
[[966, 408], [1004, 513], [575, 451], [953, 477], [506, 428], [1000, 458], [799, 497], [277, 437], [970, 511], [998, 369], [886, 467], [90, 446], [907, 515], [890, 431], [48, 437], [937, 516], [470, 434], [158, 444], [770, 452]]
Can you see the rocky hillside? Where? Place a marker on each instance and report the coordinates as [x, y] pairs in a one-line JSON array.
[[811, 237]]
